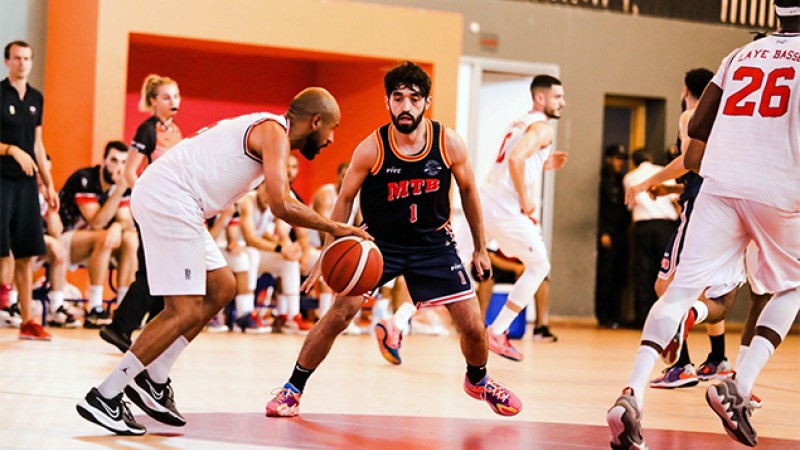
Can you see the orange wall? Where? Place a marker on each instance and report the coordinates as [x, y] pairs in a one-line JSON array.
[[86, 74]]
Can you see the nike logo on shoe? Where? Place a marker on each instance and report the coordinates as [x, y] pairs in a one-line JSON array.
[[155, 393], [114, 413]]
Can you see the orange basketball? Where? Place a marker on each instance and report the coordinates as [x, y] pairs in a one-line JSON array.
[[352, 265]]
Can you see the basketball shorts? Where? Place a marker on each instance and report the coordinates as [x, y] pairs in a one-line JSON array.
[[517, 235], [21, 230], [434, 275], [720, 231], [178, 248]]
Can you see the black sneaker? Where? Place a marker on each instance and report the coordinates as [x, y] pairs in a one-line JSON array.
[[734, 409], [116, 338], [156, 399], [62, 318], [111, 414], [542, 333], [96, 318]]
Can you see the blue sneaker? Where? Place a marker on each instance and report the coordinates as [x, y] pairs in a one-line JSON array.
[[676, 377]]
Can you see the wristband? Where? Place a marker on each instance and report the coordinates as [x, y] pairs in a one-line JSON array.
[[278, 248]]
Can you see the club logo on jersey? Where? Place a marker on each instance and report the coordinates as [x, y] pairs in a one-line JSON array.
[[12, 110], [404, 188], [392, 170], [432, 168]]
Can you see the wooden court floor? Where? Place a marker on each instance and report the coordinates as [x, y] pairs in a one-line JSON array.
[[356, 400]]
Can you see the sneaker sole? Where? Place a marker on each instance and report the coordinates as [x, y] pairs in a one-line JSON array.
[[274, 412], [156, 410], [715, 401], [113, 340], [716, 376], [619, 432], [85, 411], [506, 356], [676, 384], [389, 354]]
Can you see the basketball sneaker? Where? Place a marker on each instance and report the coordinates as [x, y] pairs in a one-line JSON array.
[[155, 399], [500, 398], [62, 318], [501, 346], [389, 340], [542, 333], [32, 331], [286, 402], [96, 318], [710, 370], [117, 338], [302, 324], [215, 325], [625, 421], [734, 409], [112, 414], [756, 401], [676, 377], [673, 349], [251, 323]]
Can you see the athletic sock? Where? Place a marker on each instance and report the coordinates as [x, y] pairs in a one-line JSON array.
[[160, 367], [126, 370], [642, 367], [95, 297], [761, 350], [683, 358], [56, 300], [244, 304], [717, 348], [503, 320], [300, 376], [403, 315], [121, 293], [325, 301], [700, 312], [475, 374], [742, 352]]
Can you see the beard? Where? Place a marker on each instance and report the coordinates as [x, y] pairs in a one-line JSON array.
[[553, 113], [107, 176], [407, 128], [312, 146]]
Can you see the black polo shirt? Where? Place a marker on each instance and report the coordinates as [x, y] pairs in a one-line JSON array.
[[18, 122]]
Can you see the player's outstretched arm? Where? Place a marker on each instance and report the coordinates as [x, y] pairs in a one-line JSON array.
[[470, 200], [701, 124], [538, 136]]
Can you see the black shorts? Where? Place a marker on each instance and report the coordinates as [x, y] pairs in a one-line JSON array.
[[434, 275], [672, 254], [21, 229]]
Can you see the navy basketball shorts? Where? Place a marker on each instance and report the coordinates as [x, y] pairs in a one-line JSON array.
[[21, 229], [434, 275], [672, 254]]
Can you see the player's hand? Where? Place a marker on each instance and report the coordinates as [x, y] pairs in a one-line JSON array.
[[527, 206], [24, 160], [481, 265], [658, 190], [113, 237], [347, 230], [555, 161], [630, 196], [313, 277], [51, 197], [119, 180]]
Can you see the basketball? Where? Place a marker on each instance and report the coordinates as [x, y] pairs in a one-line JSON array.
[[351, 265]]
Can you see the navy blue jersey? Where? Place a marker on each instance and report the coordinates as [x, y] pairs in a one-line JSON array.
[[405, 200], [691, 182]]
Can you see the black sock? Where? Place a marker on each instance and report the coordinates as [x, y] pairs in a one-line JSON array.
[[683, 358], [299, 377], [717, 348], [476, 373]]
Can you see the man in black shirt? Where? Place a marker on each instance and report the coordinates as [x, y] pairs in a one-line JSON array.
[[22, 155]]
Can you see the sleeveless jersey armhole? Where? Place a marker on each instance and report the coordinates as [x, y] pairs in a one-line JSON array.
[[379, 145]]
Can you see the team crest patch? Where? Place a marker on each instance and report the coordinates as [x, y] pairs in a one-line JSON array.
[[432, 168]]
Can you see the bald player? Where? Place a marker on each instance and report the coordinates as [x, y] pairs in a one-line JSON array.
[[192, 182]]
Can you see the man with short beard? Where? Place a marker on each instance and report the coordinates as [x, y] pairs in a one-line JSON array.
[[403, 172], [98, 225]]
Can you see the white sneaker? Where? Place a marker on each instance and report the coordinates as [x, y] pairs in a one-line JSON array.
[[10, 316]]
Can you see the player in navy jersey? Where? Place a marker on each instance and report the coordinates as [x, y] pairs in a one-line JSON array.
[[404, 171]]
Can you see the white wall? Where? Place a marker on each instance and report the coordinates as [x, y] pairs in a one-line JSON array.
[[25, 20]]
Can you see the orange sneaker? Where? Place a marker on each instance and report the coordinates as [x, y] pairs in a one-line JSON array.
[[389, 340], [500, 398], [286, 402], [31, 330], [302, 324], [501, 346]]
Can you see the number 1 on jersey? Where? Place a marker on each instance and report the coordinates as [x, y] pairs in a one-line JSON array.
[[413, 208]]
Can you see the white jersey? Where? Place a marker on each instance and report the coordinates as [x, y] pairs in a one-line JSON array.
[[498, 186], [215, 167], [753, 152]]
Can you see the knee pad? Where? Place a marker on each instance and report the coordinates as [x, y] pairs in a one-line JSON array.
[[666, 314], [780, 312]]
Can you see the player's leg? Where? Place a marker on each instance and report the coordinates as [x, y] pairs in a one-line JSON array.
[[90, 247], [60, 316], [126, 262]]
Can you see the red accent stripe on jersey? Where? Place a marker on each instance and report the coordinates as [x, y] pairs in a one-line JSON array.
[[250, 153], [125, 202], [443, 147], [379, 162], [463, 295], [234, 222], [85, 197], [417, 157]]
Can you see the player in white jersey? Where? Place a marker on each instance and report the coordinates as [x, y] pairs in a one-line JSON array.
[[508, 200], [746, 133], [192, 182]]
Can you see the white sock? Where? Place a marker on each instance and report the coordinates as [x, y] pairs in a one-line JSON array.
[[126, 370], [325, 302], [56, 300], [283, 305], [160, 367], [13, 297], [755, 360], [381, 309], [642, 367], [95, 297], [403, 315], [121, 293], [503, 320], [293, 301], [244, 304], [702, 312], [742, 352]]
